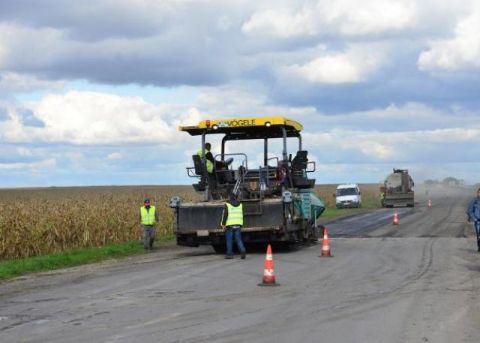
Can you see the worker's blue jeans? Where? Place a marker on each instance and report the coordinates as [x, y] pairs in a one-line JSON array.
[[232, 232]]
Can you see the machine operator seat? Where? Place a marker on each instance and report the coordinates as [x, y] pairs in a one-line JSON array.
[[198, 165], [224, 174], [299, 167], [228, 161]]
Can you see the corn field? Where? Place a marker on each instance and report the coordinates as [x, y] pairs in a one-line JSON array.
[[47, 220], [40, 221]]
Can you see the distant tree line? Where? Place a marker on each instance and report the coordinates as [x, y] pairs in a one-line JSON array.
[[448, 181]]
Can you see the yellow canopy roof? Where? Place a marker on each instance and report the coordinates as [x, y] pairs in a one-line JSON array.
[[244, 125]]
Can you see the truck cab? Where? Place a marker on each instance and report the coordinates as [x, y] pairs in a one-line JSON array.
[[348, 195]]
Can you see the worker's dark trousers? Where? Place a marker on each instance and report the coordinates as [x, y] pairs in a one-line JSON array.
[[148, 236], [232, 232]]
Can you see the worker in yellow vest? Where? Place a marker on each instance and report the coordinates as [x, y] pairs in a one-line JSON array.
[[148, 219], [232, 221], [209, 160]]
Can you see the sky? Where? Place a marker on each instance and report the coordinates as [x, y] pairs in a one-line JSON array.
[[92, 91]]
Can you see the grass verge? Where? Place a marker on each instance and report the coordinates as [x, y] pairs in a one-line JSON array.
[[12, 268], [334, 213]]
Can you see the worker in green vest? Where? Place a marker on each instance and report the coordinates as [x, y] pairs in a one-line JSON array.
[[209, 160], [232, 221], [148, 219], [382, 198]]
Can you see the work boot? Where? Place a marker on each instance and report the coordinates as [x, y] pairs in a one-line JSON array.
[[243, 255], [228, 257], [151, 243]]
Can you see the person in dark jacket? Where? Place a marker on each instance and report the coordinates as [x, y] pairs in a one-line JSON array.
[[232, 221], [474, 215]]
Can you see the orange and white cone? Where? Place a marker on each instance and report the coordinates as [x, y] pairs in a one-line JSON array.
[[395, 217], [268, 270], [325, 244], [429, 203]]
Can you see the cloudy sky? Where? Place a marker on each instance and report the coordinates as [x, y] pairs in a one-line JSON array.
[[92, 91]]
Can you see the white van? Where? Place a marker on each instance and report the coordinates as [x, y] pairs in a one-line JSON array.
[[348, 195]]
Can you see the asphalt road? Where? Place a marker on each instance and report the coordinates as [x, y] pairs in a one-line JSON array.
[[416, 282]]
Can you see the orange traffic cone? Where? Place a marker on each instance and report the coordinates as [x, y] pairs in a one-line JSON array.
[[325, 244], [268, 270], [429, 203], [395, 217]]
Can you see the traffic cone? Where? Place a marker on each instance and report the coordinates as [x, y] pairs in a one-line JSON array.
[[268, 270], [325, 244], [429, 203], [395, 217]]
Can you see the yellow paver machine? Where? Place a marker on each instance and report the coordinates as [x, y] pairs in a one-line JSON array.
[[278, 197]]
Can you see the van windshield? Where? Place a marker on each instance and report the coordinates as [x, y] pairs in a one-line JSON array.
[[346, 191]]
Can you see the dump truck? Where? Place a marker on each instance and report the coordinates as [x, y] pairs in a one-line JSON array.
[[397, 189], [278, 196]]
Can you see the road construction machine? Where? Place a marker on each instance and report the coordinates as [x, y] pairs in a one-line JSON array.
[[397, 189], [278, 196]]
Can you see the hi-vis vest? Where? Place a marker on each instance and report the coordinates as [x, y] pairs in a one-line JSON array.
[[208, 162], [148, 217], [235, 215]]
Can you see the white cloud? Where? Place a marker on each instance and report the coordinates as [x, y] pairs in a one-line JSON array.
[[370, 17], [347, 17], [388, 146], [14, 82], [281, 23], [352, 66], [327, 69], [461, 51], [92, 118], [29, 166], [21, 151], [370, 147], [114, 156]]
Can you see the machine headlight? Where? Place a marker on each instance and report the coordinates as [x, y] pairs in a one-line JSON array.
[[175, 201]]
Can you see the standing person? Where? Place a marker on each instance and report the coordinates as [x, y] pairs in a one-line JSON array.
[[382, 197], [232, 221], [209, 164], [474, 214], [148, 219]]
